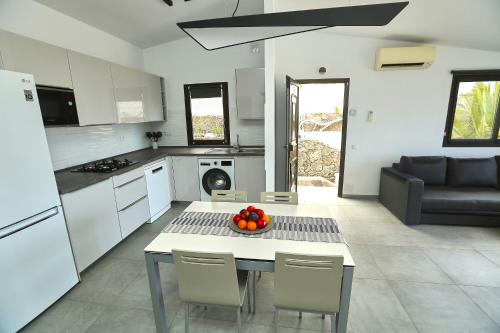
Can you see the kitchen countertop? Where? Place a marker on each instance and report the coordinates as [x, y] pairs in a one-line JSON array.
[[68, 181]]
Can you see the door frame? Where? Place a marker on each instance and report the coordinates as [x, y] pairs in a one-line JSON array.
[[345, 116]]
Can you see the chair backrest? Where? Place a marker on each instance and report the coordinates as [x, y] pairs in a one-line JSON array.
[[308, 283], [289, 198], [207, 278], [229, 196]]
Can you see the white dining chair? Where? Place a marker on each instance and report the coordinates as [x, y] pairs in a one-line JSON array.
[[308, 284], [210, 279], [228, 196], [288, 198]]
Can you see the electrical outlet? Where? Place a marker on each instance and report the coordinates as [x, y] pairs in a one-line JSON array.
[[369, 117]]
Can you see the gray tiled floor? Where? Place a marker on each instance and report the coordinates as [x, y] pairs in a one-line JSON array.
[[408, 279]]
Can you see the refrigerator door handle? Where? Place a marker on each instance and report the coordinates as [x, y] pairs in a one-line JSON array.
[[30, 221]]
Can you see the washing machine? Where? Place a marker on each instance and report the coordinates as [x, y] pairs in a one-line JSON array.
[[215, 174]]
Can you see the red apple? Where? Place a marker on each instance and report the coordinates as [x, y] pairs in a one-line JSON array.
[[250, 208], [236, 219], [261, 224]]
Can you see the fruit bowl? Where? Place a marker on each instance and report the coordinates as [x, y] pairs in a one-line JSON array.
[[251, 221]]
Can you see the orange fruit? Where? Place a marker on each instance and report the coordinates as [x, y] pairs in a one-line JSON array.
[[266, 218], [242, 224], [252, 226]]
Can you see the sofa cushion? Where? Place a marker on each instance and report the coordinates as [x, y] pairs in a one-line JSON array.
[[472, 172], [460, 199], [431, 169]]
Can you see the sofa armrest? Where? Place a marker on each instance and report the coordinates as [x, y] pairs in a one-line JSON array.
[[402, 193]]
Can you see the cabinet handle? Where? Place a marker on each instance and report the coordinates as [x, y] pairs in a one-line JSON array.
[[133, 203], [130, 181], [157, 169]]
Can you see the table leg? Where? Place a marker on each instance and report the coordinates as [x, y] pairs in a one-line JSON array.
[[345, 298], [156, 293], [254, 274]]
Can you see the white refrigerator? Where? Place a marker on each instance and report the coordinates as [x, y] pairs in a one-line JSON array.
[[36, 260]]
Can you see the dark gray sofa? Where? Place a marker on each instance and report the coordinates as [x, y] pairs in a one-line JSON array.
[[443, 190]]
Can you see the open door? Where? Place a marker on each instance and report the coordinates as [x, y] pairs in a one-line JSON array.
[[292, 133]]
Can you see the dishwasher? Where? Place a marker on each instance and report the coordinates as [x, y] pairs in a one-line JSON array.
[[158, 184]]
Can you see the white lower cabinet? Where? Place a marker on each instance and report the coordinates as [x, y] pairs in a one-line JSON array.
[[186, 178], [133, 216], [130, 192], [250, 176], [131, 196], [92, 221]]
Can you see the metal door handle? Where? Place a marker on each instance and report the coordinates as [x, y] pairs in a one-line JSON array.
[[30, 221]]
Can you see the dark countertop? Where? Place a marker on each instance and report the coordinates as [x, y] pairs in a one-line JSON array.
[[68, 181]]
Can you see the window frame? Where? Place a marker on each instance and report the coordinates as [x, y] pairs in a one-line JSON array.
[[470, 76], [189, 116]]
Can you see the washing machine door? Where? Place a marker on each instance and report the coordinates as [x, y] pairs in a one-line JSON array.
[[216, 179]]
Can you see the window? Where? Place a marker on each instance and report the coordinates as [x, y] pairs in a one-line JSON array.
[[473, 112], [207, 113]]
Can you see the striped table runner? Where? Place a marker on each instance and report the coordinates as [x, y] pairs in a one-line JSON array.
[[298, 228]]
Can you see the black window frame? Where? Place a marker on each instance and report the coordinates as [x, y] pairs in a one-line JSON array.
[[470, 76], [189, 118]]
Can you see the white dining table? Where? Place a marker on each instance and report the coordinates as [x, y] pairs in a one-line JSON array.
[[251, 253]]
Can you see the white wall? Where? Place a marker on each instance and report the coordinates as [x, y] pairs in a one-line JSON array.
[[75, 145], [183, 61], [410, 107], [270, 137]]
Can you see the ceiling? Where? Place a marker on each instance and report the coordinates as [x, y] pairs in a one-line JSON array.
[[145, 23], [461, 23]]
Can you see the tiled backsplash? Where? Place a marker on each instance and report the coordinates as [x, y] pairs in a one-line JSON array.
[[71, 146]]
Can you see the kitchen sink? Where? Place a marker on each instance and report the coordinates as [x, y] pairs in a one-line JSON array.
[[232, 150]]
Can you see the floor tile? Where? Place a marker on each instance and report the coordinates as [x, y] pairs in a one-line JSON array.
[[482, 238], [114, 295], [407, 264], [133, 247], [375, 308], [442, 308], [270, 329], [467, 267], [138, 295], [201, 325], [438, 236], [123, 320], [106, 280], [365, 263], [493, 256], [487, 298], [66, 316]]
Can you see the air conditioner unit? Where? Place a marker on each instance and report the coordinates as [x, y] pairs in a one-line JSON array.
[[397, 58]]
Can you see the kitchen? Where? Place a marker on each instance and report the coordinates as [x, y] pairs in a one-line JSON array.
[[84, 142]]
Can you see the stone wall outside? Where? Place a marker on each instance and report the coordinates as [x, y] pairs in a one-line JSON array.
[[318, 159]]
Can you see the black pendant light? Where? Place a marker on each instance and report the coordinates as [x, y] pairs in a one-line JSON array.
[[223, 32]]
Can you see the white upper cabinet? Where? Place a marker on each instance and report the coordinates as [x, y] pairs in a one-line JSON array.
[[154, 98], [250, 93], [93, 87], [130, 94], [105, 93], [48, 63]]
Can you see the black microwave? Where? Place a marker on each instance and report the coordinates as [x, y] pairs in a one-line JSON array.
[[58, 106]]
